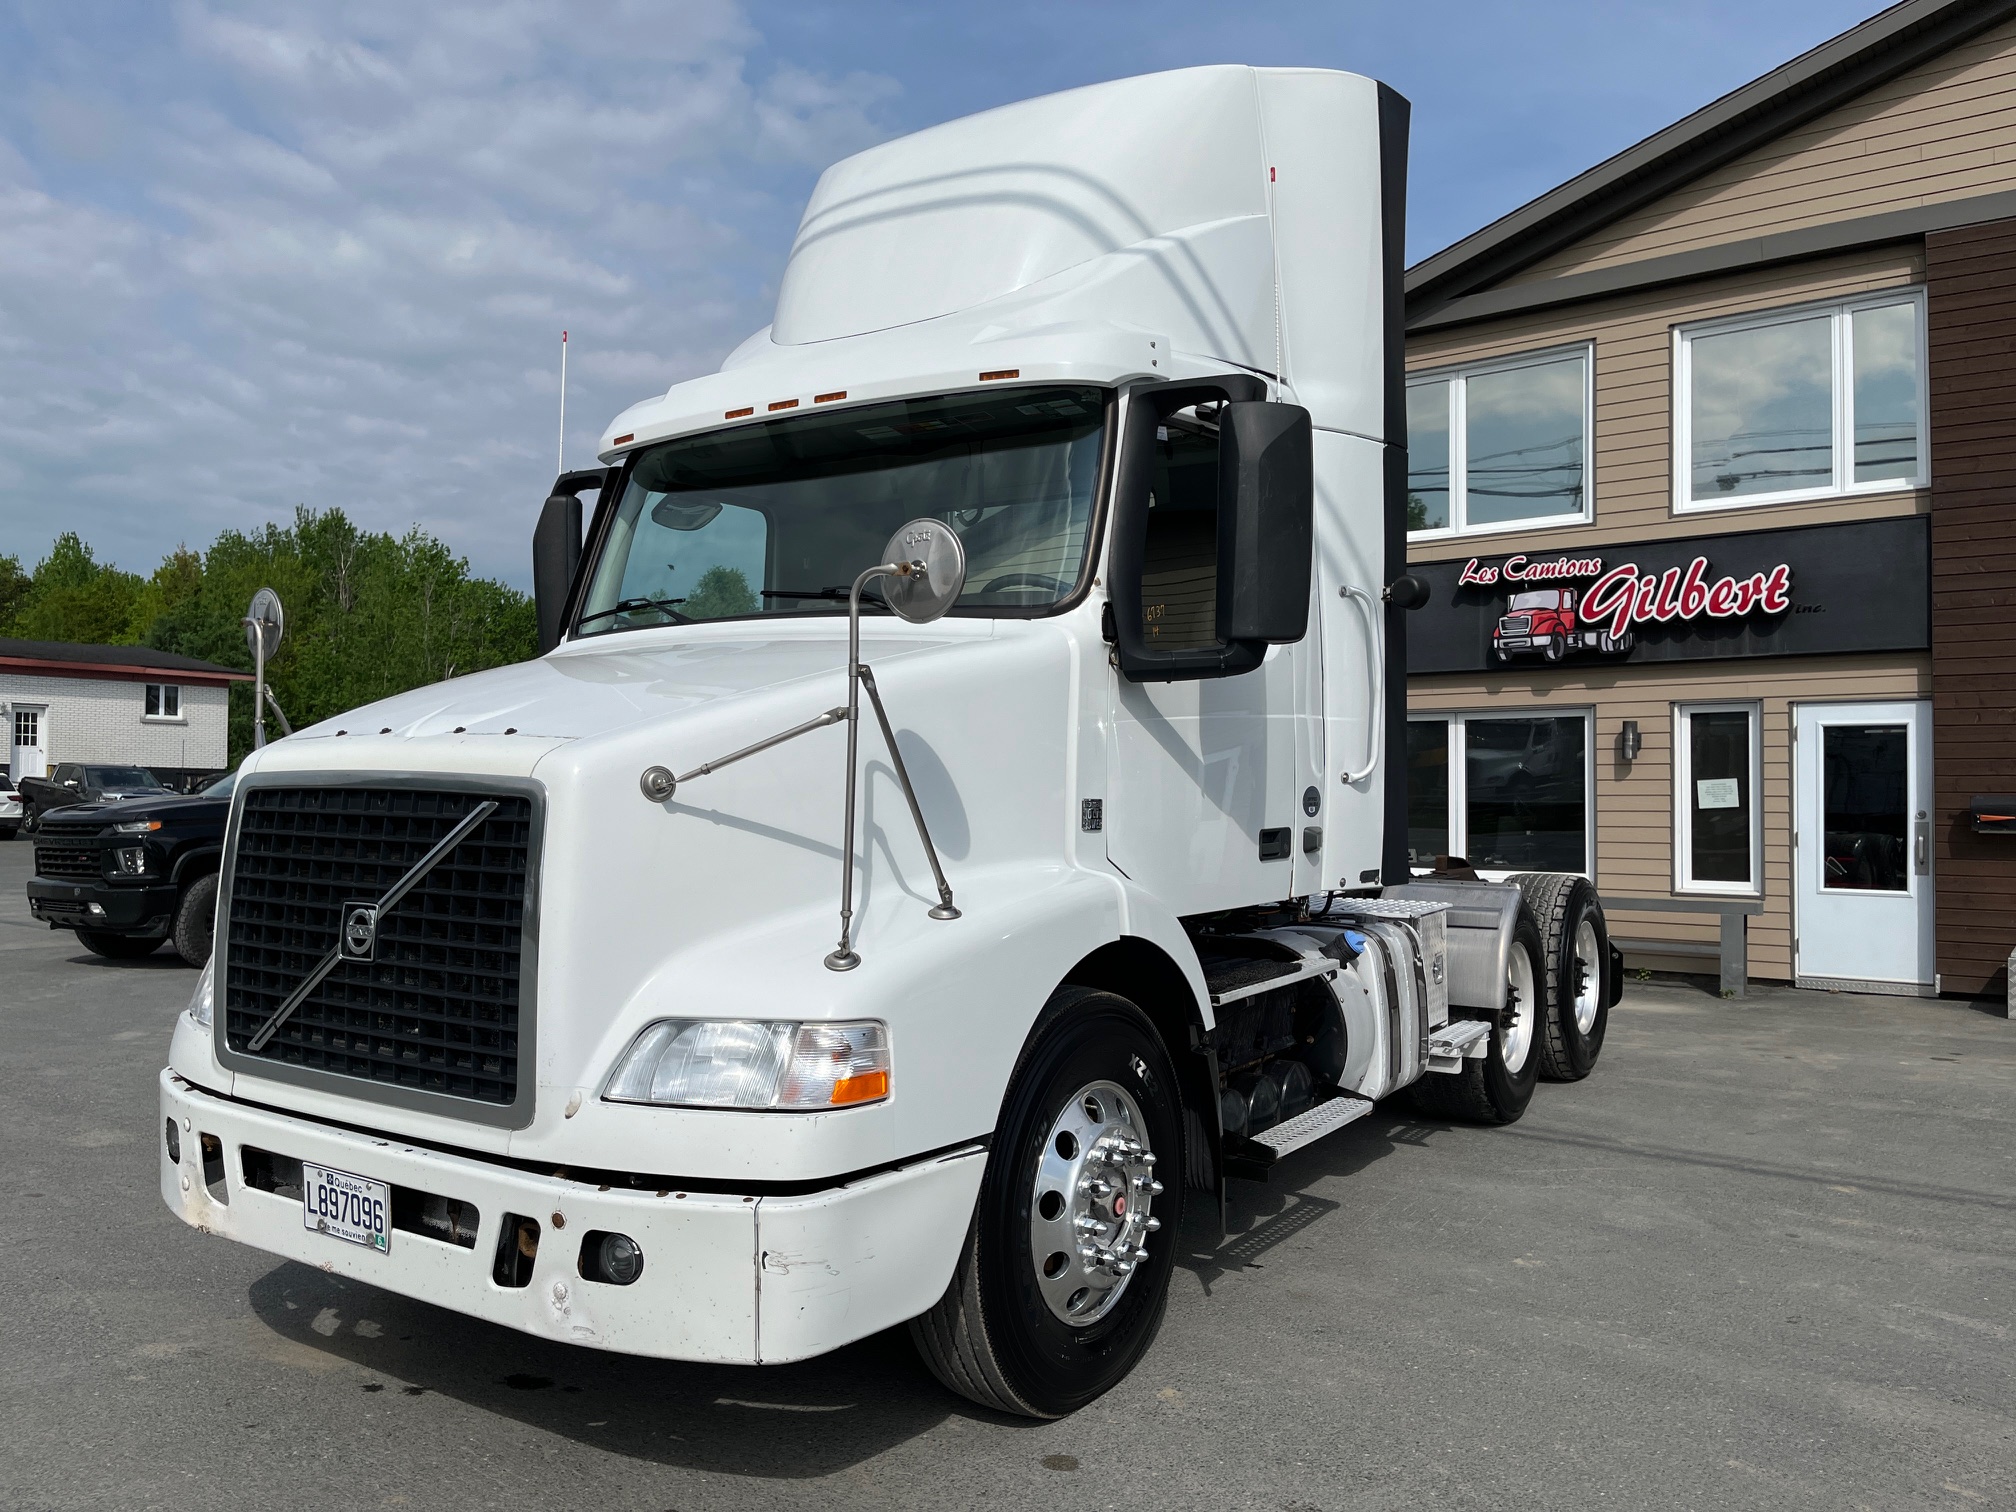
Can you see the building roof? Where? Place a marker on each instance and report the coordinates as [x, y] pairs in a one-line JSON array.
[[1831, 74], [68, 659]]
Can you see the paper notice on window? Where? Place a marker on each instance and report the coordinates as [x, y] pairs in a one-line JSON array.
[[1717, 793]]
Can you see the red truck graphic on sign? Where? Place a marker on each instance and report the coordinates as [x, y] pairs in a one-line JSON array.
[[1544, 622]]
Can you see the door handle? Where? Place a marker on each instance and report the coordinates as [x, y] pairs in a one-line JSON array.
[[1921, 847], [1375, 721]]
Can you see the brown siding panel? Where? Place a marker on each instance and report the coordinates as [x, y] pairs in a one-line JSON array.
[[1970, 278]]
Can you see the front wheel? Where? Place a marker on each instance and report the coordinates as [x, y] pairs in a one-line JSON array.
[[1061, 1286], [196, 920]]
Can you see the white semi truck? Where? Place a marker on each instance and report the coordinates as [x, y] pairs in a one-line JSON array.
[[957, 820]]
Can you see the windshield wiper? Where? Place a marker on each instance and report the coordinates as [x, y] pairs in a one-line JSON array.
[[664, 606], [838, 595]]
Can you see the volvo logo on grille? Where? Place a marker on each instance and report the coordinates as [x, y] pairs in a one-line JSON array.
[[360, 931]]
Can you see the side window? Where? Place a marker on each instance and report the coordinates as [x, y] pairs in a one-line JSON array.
[[1179, 561]]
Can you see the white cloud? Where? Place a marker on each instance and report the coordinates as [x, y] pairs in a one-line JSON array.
[[323, 255]]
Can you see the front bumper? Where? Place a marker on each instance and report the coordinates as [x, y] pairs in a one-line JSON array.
[[732, 1278], [103, 905]]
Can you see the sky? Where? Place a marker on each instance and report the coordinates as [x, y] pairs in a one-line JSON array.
[[254, 256]]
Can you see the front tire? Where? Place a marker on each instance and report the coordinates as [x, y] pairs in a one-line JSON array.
[[1061, 1287], [1496, 1087], [196, 921], [1576, 952], [116, 947]]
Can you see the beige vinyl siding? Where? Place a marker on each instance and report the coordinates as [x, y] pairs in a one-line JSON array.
[[1632, 490], [1634, 802], [1945, 130]]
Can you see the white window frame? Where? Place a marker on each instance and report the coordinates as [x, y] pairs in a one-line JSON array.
[[1458, 821], [1842, 324], [178, 717], [1459, 442], [1683, 810]]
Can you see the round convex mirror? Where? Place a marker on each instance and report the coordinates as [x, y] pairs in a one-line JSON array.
[[264, 621], [938, 562]]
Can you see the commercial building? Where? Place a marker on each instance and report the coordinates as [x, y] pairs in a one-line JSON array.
[[127, 705], [1713, 478]]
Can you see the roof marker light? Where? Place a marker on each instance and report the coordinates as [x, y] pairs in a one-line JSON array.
[[747, 409], [624, 440], [829, 398], [1001, 373], [783, 404]]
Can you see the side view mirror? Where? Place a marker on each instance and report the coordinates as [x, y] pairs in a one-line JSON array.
[[1236, 477], [556, 551], [1266, 522]]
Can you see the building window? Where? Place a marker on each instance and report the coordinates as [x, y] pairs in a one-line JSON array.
[[1717, 832], [28, 727], [164, 701], [1507, 794], [1499, 446], [1802, 404]]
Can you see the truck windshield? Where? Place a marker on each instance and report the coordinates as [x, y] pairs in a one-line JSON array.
[[1544, 598], [779, 518]]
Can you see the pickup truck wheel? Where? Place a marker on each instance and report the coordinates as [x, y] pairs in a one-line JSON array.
[[1576, 951], [1496, 1087], [117, 947], [196, 920], [1060, 1288]]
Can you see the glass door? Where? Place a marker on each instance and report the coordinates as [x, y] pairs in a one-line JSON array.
[[1863, 846]]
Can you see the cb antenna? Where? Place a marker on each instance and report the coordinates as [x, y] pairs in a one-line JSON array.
[[563, 402]]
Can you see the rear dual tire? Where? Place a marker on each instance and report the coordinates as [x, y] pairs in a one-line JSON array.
[[1496, 1087], [1576, 957], [1012, 1331]]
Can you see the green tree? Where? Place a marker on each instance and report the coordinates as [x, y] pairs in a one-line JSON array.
[[721, 591], [71, 596], [13, 588]]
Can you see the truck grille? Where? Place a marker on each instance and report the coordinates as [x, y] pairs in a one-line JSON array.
[[437, 1008], [68, 861]]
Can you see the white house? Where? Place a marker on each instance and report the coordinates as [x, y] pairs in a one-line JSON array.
[[127, 704]]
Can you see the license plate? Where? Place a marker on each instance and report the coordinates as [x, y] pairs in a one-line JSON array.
[[349, 1207]]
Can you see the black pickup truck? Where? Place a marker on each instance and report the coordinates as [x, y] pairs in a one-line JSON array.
[[129, 873]]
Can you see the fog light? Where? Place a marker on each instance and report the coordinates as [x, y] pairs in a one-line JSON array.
[[614, 1258], [174, 1144], [96, 910]]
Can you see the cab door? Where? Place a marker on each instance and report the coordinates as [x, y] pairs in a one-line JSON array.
[[1207, 774]]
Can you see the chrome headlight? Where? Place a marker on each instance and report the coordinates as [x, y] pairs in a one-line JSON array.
[[203, 1001], [136, 827], [751, 1063]]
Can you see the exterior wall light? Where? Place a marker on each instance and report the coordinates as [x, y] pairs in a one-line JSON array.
[[1629, 742]]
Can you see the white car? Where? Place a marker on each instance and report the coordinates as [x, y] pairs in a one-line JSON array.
[[10, 809]]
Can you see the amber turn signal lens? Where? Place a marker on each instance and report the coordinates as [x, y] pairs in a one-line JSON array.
[[870, 1086]]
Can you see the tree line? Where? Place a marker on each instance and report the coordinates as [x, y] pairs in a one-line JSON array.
[[368, 614]]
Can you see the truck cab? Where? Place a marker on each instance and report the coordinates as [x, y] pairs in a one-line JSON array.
[[954, 820]]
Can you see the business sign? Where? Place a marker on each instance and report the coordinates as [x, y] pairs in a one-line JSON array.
[[1812, 590]]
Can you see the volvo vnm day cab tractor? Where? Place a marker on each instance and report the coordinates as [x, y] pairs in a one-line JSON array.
[[957, 821]]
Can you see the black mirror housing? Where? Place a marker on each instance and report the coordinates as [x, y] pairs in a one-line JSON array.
[[556, 551], [556, 554], [1266, 523]]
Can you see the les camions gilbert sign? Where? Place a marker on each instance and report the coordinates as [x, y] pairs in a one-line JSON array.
[[1816, 590]]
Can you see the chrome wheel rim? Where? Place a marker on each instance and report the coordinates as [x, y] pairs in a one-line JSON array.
[[1588, 969], [1089, 1210], [1516, 1038]]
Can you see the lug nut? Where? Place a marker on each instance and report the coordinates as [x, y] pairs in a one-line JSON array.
[[1153, 1225], [1154, 1189]]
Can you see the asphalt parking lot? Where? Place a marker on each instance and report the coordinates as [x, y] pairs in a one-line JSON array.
[[1765, 1257]]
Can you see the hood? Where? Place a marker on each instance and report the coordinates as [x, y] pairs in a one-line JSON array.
[[607, 684], [144, 804]]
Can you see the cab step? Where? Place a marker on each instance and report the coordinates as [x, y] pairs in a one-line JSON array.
[[1250, 1155], [1456, 1041]]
